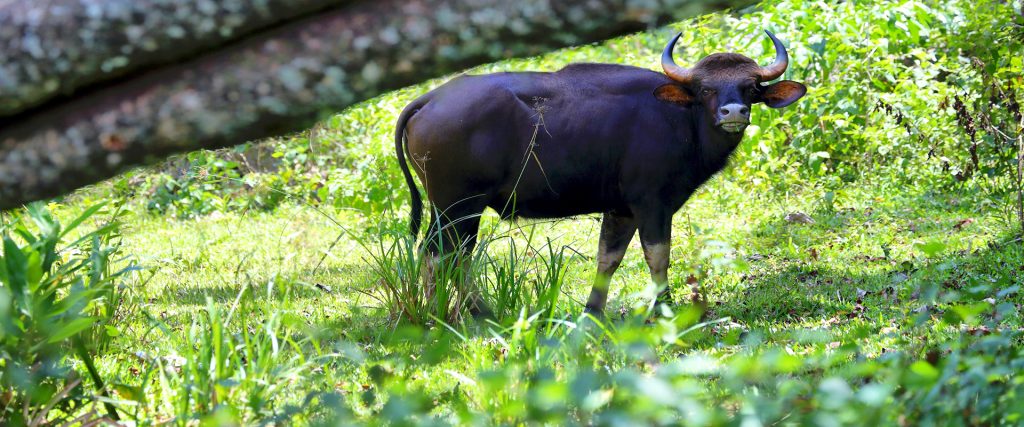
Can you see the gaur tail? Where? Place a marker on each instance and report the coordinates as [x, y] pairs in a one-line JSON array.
[[416, 216]]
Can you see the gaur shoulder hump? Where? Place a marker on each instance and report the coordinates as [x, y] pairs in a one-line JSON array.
[[593, 67], [613, 78]]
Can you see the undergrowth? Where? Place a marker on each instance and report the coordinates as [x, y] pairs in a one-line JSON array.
[[861, 261]]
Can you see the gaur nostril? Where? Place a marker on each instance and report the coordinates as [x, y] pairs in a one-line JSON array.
[[734, 112]]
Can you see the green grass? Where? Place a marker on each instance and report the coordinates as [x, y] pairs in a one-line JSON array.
[[861, 289], [899, 304]]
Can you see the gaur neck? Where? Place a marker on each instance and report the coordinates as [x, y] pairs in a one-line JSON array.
[[714, 146]]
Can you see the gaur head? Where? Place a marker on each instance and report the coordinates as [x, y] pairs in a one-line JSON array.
[[727, 84]]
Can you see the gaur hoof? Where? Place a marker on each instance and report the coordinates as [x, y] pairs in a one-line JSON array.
[[481, 312], [597, 312]]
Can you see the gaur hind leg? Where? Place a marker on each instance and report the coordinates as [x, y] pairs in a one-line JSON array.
[[453, 233], [616, 233]]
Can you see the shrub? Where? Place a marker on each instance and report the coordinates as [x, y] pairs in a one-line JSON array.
[[57, 299]]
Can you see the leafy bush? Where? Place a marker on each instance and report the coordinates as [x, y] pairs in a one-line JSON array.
[[55, 302], [890, 310], [586, 373]]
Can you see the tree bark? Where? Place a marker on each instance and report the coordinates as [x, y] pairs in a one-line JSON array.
[[280, 78], [53, 48]]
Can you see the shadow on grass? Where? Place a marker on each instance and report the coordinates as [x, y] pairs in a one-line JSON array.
[[867, 245], [795, 294], [306, 285]]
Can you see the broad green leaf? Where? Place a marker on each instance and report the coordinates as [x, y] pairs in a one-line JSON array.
[[923, 373], [930, 248], [17, 266], [81, 218], [33, 270], [71, 328], [112, 331]]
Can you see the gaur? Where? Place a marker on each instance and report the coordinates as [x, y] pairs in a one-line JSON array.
[[627, 142]]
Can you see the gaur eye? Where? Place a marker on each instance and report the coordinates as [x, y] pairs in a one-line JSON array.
[[752, 91], [707, 92]]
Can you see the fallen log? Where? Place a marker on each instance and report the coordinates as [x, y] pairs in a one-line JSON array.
[[282, 79]]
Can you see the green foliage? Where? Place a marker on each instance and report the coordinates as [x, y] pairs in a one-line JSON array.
[[522, 283], [294, 294], [512, 284], [589, 373], [896, 87], [404, 286], [59, 295], [213, 373], [194, 190]]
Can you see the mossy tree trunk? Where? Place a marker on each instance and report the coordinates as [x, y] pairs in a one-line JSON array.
[[88, 89]]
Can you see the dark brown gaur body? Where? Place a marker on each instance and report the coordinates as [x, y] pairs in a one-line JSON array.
[[626, 142]]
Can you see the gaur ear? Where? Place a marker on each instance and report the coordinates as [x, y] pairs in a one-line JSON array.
[[674, 93], [782, 93]]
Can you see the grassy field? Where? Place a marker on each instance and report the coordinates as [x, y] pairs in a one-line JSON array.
[[260, 294]]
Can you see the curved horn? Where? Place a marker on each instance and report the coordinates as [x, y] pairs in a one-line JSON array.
[[677, 73], [778, 67]]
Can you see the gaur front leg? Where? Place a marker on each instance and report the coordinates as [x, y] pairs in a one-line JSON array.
[[656, 238], [616, 233]]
